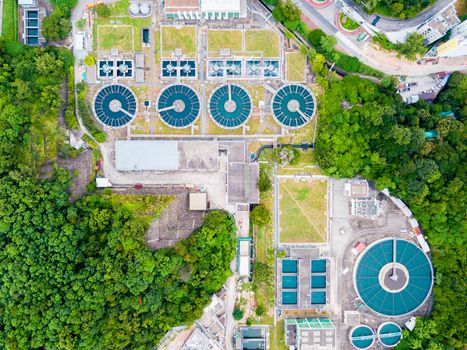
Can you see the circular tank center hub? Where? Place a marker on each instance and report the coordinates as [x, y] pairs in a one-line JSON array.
[[230, 106], [115, 105], [293, 105], [179, 106], [393, 277]]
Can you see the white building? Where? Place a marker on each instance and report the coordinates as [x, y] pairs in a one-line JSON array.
[[27, 3], [204, 9], [438, 26]]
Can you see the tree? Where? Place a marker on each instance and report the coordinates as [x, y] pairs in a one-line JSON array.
[[89, 60], [260, 216], [56, 26], [318, 64], [287, 12], [264, 181], [328, 43], [237, 314], [286, 155], [314, 37], [81, 24], [413, 46]]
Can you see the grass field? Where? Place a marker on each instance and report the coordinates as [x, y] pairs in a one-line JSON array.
[[262, 41], [119, 8], [303, 207], [306, 164], [183, 38], [221, 39], [108, 37], [348, 23], [115, 36], [10, 20], [296, 63]]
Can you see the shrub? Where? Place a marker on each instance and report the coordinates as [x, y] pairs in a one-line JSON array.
[[281, 254], [89, 60], [103, 10], [237, 314], [260, 310]]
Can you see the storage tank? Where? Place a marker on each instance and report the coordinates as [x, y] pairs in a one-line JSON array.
[[362, 337], [144, 9], [134, 9], [389, 334]]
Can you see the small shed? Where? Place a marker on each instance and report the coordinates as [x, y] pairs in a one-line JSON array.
[[198, 201]]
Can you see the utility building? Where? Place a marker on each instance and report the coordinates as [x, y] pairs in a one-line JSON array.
[[204, 9]]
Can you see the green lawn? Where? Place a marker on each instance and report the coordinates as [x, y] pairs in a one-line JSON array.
[[262, 41], [183, 38], [303, 207], [10, 20], [296, 63], [348, 23], [115, 36], [119, 8], [306, 164], [222, 39], [120, 37]]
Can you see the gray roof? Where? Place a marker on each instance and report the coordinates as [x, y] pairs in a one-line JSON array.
[[139, 75], [139, 60], [137, 155]]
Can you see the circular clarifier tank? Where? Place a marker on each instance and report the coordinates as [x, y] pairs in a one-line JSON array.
[[362, 337], [389, 334], [393, 277]]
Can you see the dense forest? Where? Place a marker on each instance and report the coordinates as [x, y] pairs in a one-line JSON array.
[[366, 129], [80, 275], [395, 8]]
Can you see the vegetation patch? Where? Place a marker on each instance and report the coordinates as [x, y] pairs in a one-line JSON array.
[[179, 38], [296, 64], [262, 43], [147, 208], [115, 36], [347, 22], [396, 8], [128, 27], [303, 207], [10, 20], [224, 39]]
